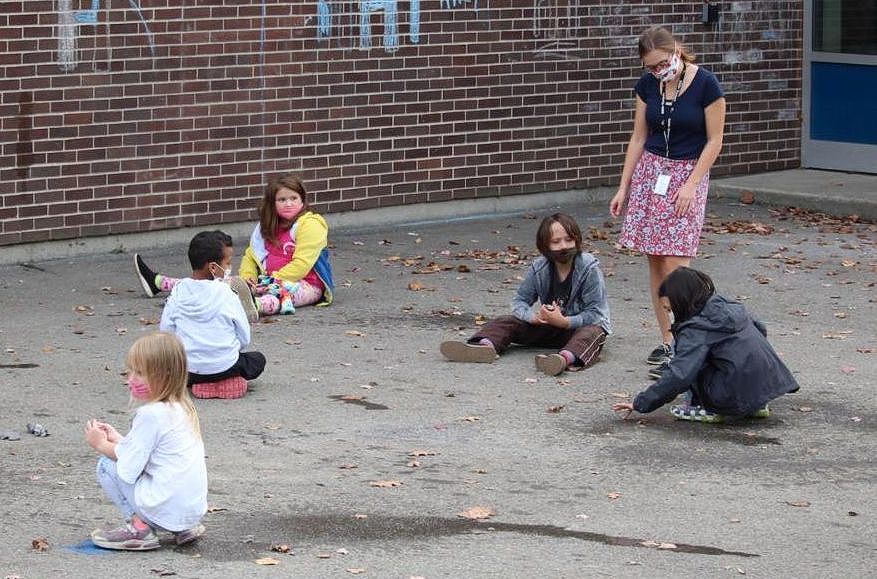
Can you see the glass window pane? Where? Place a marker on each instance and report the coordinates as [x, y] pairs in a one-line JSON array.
[[845, 26]]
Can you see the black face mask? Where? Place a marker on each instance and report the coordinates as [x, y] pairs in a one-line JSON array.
[[562, 255]]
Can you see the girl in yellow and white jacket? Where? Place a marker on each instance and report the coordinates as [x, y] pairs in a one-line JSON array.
[[287, 261]]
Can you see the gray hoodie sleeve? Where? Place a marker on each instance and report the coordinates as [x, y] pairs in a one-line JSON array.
[[596, 312], [684, 367], [526, 296]]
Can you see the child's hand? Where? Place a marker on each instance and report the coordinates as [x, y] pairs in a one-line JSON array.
[[94, 434], [623, 406], [112, 434], [552, 315]]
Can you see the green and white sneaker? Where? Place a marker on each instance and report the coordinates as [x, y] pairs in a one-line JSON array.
[[695, 414]]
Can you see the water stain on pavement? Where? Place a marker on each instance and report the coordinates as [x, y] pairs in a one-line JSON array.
[[359, 402], [320, 528]]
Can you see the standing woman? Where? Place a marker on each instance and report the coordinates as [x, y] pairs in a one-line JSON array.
[[677, 135]]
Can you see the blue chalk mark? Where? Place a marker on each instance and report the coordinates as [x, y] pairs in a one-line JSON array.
[[391, 28], [414, 21], [135, 5], [324, 19], [88, 16], [86, 547]]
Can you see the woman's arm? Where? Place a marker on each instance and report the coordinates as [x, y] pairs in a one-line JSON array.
[[714, 115], [634, 151]]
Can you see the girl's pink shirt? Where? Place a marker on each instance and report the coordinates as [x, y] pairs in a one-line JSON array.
[[280, 254]]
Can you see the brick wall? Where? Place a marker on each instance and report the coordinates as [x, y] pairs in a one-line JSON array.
[[136, 115]]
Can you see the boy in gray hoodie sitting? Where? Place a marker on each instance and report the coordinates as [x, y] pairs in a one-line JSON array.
[[572, 315]]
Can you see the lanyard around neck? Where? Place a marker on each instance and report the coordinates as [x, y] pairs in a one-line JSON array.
[[666, 121]]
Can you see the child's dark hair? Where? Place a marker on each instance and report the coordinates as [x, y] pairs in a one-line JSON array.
[[687, 290], [207, 247], [268, 218], [543, 235]]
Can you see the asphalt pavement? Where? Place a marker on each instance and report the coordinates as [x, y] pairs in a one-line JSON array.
[[362, 452]]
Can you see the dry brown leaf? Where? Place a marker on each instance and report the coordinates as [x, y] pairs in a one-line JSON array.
[[267, 561], [477, 513], [40, 544], [556, 409], [620, 394], [385, 484], [355, 570], [614, 496], [802, 408], [216, 509], [849, 262], [347, 466], [281, 548], [355, 333], [351, 397], [324, 555], [360, 516], [798, 503], [470, 418], [413, 464]]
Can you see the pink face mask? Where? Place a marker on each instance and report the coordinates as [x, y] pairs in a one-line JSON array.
[[288, 212], [139, 389]]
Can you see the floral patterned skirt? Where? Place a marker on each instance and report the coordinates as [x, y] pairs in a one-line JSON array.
[[651, 225]]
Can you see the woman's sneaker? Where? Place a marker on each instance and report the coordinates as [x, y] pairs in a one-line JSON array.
[[656, 372], [695, 414], [189, 535], [456, 351], [659, 355], [146, 277], [126, 538]]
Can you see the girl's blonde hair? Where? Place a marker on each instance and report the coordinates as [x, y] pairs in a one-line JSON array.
[[659, 38], [159, 358]]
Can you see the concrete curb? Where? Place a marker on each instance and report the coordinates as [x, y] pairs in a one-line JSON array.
[[822, 202]]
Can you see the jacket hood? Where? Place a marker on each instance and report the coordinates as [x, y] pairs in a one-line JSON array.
[[719, 314], [199, 299]]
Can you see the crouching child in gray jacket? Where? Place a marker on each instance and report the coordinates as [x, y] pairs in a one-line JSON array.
[[723, 362]]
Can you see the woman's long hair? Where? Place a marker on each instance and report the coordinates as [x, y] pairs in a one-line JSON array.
[[659, 38], [159, 358]]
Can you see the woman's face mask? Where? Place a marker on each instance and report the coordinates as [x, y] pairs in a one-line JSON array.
[[669, 72]]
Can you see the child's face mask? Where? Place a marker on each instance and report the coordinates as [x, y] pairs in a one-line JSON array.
[[139, 389], [562, 255], [226, 273], [288, 204]]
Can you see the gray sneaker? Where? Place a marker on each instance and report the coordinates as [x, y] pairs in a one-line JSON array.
[[456, 351], [240, 287], [125, 538], [659, 355], [189, 535]]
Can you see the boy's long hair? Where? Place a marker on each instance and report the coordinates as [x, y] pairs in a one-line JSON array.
[[543, 234], [687, 290], [268, 218], [161, 360], [659, 38]]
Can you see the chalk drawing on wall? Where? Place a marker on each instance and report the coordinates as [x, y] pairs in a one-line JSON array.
[[69, 21], [557, 26], [351, 20]]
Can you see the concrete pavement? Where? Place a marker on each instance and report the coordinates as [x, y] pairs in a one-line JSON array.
[[356, 395]]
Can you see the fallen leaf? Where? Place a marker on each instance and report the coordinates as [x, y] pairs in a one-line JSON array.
[[798, 503], [267, 561], [282, 548], [385, 484], [613, 496], [620, 394], [848, 263], [324, 555], [216, 509], [477, 513], [530, 380], [848, 369], [422, 453], [556, 409], [360, 516], [470, 418], [355, 570], [351, 397], [342, 551], [40, 544], [802, 408], [413, 464], [355, 333], [121, 331], [163, 572], [347, 466]]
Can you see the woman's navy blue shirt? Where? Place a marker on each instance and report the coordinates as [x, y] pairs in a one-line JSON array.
[[688, 127]]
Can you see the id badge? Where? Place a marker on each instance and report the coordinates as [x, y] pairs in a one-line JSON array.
[[661, 185]]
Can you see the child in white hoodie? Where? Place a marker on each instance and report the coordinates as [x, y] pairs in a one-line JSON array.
[[208, 318]]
